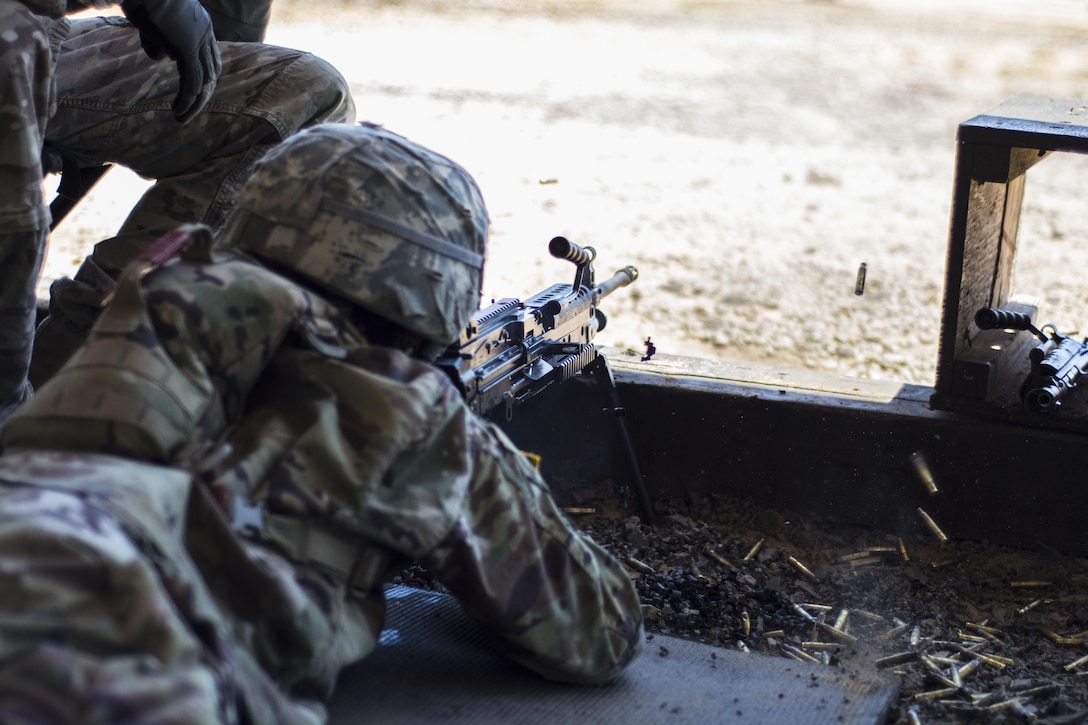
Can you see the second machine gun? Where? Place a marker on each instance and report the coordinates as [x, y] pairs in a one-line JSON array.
[[1057, 364], [513, 350]]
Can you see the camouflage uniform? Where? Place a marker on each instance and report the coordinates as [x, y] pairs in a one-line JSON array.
[[212, 385], [88, 86]]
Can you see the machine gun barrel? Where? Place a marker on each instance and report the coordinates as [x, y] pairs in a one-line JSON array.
[[621, 278], [1054, 374]]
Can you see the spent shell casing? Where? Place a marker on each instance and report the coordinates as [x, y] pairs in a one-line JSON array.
[[932, 525], [775, 633], [1029, 606], [991, 632], [579, 510], [817, 607], [913, 717], [640, 565], [745, 623], [821, 645], [930, 665], [801, 610], [896, 631], [1007, 704], [859, 281], [921, 467], [934, 694], [870, 615], [915, 635], [1031, 584], [935, 670], [1076, 663], [896, 659], [968, 669], [1039, 691], [802, 568], [903, 550], [845, 636], [997, 661], [800, 654], [840, 621], [754, 550], [719, 558]]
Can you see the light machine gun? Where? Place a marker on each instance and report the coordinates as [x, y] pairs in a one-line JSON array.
[[1057, 364], [513, 350]]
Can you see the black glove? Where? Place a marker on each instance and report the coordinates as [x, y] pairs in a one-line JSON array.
[[182, 30]]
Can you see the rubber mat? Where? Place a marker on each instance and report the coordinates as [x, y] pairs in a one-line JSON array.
[[435, 666]]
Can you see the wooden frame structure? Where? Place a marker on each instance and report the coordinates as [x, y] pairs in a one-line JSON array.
[[980, 371]]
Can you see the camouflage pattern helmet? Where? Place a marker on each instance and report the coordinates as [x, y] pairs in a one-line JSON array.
[[374, 218]]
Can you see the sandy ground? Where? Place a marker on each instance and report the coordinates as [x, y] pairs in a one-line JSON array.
[[745, 156]]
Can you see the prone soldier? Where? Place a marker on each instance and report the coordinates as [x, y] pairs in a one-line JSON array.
[[198, 513]]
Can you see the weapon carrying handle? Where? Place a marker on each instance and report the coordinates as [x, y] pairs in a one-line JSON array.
[[988, 318], [563, 248]]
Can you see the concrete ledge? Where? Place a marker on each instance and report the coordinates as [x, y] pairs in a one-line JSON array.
[[434, 665], [825, 445]]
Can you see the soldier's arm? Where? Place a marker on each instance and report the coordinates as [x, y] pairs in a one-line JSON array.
[[561, 604], [453, 492]]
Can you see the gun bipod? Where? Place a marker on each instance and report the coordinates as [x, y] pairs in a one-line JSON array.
[[602, 373]]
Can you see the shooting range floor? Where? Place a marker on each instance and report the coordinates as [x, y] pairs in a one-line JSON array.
[[434, 665]]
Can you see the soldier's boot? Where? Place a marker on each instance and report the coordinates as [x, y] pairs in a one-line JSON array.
[[20, 264], [74, 306]]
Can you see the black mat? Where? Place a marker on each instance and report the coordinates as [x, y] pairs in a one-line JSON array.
[[434, 665]]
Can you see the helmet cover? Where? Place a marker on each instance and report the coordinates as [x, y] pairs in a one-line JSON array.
[[375, 218]]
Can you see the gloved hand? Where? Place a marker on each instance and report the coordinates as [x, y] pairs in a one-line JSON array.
[[182, 30]]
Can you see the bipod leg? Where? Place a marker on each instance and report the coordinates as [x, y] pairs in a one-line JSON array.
[[602, 371]]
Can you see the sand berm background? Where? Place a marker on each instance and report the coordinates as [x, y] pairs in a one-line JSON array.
[[745, 156]]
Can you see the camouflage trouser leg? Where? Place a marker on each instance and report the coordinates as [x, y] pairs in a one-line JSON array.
[[114, 106], [20, 264], [25, 95]]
